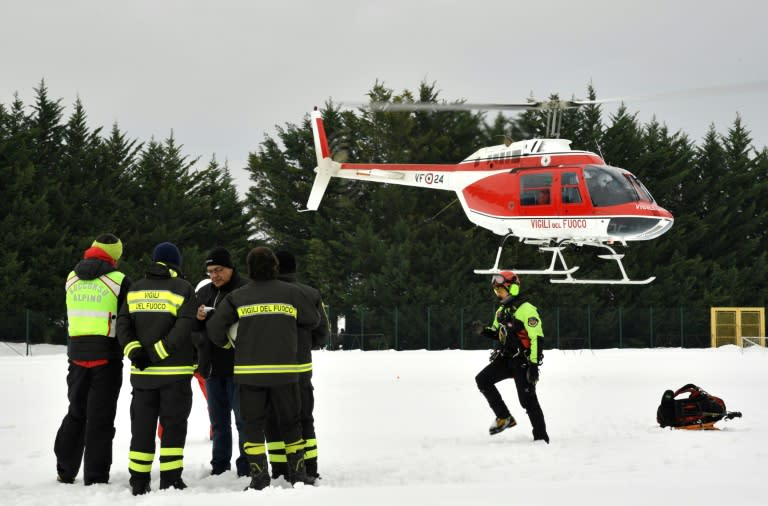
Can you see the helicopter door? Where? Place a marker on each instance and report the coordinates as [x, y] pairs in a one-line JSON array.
[[572, 197], [536, 193]]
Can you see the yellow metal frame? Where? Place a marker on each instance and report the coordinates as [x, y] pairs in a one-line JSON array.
[[736, 336]]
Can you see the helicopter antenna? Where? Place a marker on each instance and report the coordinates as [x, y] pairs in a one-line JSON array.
[[597, 144]]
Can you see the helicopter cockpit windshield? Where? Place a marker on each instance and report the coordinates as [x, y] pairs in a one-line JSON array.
[[609, 186]]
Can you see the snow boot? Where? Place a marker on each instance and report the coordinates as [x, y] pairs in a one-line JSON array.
[[259, 472], [178, 484], [501, 424], [139, 486], [297, 471], [65, 479], [311, 467]]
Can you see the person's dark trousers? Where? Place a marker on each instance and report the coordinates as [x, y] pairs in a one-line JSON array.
[[223, 399], [504, 367], [307, 392], [87, 431], [526, 394], [486, 380], [172, 404], [255, 402], [275, 445]]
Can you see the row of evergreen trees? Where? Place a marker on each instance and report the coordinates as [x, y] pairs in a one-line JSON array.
[[370, 248]]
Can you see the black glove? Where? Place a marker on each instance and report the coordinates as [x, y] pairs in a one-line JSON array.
[[140, 359], [477, 327], [532, 374]]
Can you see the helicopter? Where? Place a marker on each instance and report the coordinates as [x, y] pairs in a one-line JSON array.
[[540, 191]]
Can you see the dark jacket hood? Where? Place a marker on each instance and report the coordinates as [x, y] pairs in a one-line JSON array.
[[92, 268]]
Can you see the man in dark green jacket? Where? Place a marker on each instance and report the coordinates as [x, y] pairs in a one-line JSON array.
[[95, 289], [517, 328], [154, 329], [268, 313]]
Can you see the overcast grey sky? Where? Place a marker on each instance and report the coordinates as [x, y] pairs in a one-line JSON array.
[[221, 74]]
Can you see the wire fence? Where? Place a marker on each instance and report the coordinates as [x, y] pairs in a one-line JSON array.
[[443, 327], [436, 328]]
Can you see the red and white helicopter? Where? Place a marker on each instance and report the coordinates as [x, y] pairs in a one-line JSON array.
[[540, 191]]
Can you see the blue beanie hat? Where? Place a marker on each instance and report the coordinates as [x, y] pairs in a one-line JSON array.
[[167, 253]]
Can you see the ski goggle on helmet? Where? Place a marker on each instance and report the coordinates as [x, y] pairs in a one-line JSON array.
[[508, 280]]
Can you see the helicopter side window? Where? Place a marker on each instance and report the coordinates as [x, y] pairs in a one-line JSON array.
[[608, 187], [570, 193], [535, 189]]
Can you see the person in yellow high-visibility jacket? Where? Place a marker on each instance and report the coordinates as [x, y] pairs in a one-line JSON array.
[[518, 330], [94, 291]]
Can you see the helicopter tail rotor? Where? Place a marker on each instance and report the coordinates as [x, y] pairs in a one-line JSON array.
[[326, 167]]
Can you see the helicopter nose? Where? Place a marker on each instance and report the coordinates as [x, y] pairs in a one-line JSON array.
[[639, 228]]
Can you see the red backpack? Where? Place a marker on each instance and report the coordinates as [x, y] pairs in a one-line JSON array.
[[699, 410]]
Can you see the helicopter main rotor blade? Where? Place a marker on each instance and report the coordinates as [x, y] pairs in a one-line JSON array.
[[704, 91], [428, 106], [556, 104]]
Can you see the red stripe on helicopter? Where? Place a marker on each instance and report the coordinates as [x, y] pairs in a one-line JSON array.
[[323, 139], [402, 167]]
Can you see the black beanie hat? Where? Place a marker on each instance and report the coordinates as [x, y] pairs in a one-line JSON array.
[[287, 262], [219, 256], [167, 253]]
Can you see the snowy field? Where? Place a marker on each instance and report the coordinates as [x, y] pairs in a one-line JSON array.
[[400, 428]]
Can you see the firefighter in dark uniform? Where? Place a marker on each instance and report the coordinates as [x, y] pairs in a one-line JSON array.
[[517, 328], [154, 329], [267, 312], [217, 365], [308, 339], [94, 291]]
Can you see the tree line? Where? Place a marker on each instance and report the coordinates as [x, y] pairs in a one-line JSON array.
[[371, 249]]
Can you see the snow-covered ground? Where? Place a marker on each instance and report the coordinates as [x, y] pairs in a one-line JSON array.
[[400, 428]]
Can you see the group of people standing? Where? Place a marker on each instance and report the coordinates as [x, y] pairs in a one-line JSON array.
[[250, 339]]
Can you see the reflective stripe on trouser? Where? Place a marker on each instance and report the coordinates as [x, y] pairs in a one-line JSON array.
[[140, 462], [254, 448], [310, 449], [294, 447], [171, 458], [276, 452]]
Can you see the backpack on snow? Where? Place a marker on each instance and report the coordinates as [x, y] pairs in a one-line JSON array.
[[699, 410]]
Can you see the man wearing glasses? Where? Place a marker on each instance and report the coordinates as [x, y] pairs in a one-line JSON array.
[[217, 365], [517, 328]]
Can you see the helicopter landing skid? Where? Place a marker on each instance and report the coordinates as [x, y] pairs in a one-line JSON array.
[[613, 256], [552, 270]]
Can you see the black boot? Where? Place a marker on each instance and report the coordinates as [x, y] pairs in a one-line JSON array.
[[297, 471], [259, 472], [311, 467], [279, 469], [177, 483], [139, 486]]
